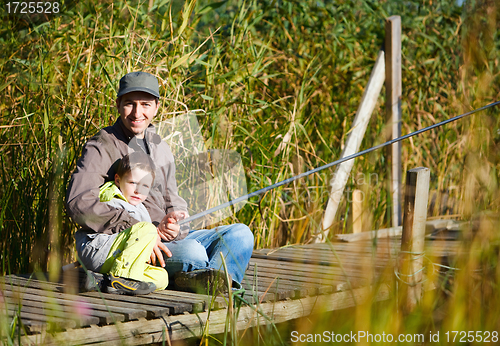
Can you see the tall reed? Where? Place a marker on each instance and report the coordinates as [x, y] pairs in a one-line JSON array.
[[279, 81]]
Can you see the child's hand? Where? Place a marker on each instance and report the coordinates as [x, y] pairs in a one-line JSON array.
[[157, 252], [168, 228]]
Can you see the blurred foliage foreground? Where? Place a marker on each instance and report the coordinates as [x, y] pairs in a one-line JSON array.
[[278, 81]]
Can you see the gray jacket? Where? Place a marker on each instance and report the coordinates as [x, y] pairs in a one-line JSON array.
[[98, 164], [138, 211]]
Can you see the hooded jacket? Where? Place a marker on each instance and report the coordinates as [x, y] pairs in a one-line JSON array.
[[112, 195]]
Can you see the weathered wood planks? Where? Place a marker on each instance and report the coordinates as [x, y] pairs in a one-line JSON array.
[[281, 278]]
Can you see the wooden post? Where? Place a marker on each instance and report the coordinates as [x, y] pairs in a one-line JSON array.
[[412, 241], [353, 142], [393, 108], [357, 211]]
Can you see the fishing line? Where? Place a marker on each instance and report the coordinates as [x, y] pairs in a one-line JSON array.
[[331, 164]]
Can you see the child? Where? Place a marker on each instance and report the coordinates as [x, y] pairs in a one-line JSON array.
[[123, 256]]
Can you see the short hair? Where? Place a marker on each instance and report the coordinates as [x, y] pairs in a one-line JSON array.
[[134, 160]]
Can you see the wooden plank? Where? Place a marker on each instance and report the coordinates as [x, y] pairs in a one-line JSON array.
[[17, 280], [308, 270], [30, 327], [276, 290], [46, 308], [328, 254], [176, 305], [29, 314], [299, 288], [119, 312], [430, 226], [177, 298], [434, 225], [34, 322], [95, 310], [265, 294], [214, 303], [330, 260], [296, 280], [438, 249], [368, 244], [343, 248], [386, 246], [186, 326], [270, 293], [153, 307], [337, 282], [293, 275], [357, 211], [353, 143], [293, 289], [36, 314], [381, 233], [353, 272], [393, 90], [412, 242]]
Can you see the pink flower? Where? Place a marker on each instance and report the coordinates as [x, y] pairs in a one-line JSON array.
[[82, 308]]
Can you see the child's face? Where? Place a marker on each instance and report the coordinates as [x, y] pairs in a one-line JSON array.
[[135, 185]]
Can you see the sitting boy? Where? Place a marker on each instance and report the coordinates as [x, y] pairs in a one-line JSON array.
[[123, 255]]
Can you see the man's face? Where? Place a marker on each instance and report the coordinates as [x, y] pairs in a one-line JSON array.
[[137, 109], [135, 185]]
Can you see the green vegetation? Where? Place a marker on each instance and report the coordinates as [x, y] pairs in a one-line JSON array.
[[280, 82]]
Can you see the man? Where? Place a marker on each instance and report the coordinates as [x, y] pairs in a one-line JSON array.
[[193, 256]]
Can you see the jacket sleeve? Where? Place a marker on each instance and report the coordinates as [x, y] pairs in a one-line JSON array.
[[82, 198]]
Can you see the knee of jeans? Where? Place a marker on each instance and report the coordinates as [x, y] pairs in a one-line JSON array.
[[192, 252], [242, 235]]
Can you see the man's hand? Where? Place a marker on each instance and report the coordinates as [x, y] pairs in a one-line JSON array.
[[157, 252], [168, 228]]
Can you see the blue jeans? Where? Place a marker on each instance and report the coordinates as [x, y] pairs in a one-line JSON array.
[[201, 250]]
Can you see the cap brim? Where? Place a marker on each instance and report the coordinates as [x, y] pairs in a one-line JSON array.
[[143, 89]]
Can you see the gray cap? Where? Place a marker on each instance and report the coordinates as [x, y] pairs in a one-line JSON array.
[[139, 81]]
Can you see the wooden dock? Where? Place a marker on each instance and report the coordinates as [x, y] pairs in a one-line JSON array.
[[282, 284]]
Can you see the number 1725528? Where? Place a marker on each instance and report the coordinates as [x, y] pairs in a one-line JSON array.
[[470, 336], [33, 7]]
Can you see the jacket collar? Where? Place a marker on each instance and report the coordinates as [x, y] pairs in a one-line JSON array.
[[149, 134]]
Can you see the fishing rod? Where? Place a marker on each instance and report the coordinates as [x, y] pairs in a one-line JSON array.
[[331, 164]]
